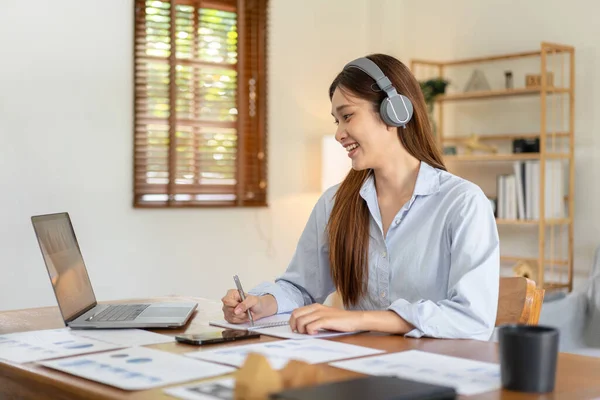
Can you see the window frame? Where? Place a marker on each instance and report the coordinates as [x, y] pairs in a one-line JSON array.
[[250, 188]]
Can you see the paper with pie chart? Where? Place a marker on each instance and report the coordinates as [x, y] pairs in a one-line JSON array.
[[137, 368], [44, 345], [280, 352]]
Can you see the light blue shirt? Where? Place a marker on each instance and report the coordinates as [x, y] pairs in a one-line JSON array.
[[438, 267]]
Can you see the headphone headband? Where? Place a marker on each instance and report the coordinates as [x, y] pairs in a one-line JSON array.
[[396, 109], [371, 69]]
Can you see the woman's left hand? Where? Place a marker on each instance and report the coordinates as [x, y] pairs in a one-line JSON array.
[[309, 319]]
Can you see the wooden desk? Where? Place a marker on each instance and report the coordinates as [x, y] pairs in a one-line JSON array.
[[578, 377]]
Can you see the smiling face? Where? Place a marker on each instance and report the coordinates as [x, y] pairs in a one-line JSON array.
[[360, 130]]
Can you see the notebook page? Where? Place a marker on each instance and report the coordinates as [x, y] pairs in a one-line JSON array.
[[273, 320]]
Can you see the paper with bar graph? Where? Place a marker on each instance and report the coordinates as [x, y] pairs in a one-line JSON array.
[[468, 377]]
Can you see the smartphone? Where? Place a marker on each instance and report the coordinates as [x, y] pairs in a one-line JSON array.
[[226, 335]]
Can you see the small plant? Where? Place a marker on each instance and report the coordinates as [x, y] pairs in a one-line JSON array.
[[432, 88]]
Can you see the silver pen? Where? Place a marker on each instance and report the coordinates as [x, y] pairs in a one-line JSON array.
[[243, 296]]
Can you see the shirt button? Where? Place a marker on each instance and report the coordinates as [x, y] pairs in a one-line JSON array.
[[383, 254], [398, 222], [383, 294]]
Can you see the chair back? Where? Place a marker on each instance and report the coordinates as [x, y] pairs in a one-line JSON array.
[[519, 301]]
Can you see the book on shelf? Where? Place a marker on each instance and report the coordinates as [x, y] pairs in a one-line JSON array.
[[519, 168], [507, 191], [518, 193]]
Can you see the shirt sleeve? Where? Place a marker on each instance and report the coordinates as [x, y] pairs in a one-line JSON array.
[[307, 279], [469, 312]]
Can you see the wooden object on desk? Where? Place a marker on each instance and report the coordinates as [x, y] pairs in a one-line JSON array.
[[554, 81], [576, 377], [256, 380], [298, 374]]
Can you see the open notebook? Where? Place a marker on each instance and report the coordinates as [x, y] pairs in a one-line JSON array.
[[267, 322], [277, 325]]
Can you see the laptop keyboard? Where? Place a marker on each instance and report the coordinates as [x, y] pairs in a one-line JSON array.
[[127, 312]]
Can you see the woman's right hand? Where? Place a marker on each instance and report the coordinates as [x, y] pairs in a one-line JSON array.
[[234, 309]]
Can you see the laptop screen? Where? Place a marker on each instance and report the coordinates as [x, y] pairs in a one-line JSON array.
[[65, 264]]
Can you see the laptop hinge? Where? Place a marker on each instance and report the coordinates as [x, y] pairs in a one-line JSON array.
[[79, 314]]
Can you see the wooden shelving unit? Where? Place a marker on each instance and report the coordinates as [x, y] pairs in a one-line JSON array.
[[497, 93], [505, 136], [514, 259], [504, 157], [563, 84]]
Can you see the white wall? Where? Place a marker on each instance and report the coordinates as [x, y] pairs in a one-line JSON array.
[[66, 145], [445, 30], [66, 120]]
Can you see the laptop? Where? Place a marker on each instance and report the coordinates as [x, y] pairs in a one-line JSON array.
[[73, 289]]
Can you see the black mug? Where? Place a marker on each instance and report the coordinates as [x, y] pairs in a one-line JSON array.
[[528, 357]]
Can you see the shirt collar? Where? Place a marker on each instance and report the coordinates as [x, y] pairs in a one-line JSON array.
[[428, 182]]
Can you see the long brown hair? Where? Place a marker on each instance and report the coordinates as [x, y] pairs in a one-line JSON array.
[[348, 225]]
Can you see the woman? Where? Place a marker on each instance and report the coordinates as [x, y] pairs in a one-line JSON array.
[[410, 248]]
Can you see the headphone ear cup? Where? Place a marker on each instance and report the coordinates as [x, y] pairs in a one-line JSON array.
[[396, 110], [387, 113]]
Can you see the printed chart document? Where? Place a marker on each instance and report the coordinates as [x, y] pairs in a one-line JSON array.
[[278, 325], [220, 389], [278, 353], [467, 377], [123, 337], [47, 344], [137, 368]]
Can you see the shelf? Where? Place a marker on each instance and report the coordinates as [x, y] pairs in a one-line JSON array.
[[554, 286], [502, 157], [490, 94], [510, 56], [506, 136], [550, 47], [562, 221], [515, 259]]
